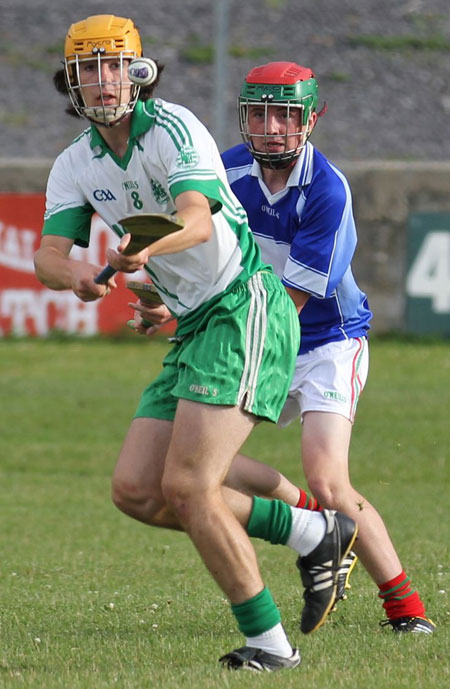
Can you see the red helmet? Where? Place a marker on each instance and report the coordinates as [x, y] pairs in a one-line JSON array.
[[284, 84]]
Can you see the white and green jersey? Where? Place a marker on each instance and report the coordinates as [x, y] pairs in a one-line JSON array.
[[169, 152]]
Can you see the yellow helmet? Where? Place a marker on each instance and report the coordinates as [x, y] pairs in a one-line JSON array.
[[102, 37], [103, 33]]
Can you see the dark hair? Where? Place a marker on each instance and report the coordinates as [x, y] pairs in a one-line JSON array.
[[59, 80]]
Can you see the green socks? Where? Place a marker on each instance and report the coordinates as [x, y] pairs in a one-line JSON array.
[[256, 615], [270, 520]]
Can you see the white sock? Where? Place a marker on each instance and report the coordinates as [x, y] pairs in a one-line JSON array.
[[273, 641], [308, 529]]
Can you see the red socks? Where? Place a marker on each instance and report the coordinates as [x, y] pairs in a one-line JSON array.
[[308, 502], [399, 600]]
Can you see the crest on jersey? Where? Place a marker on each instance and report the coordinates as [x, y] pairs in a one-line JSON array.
[[187, 157], [159, 193]]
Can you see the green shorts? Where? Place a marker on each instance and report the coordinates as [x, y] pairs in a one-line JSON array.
[[242, 354]]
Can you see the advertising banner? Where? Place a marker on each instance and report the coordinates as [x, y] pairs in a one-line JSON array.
[[29, 308], [428, 278]]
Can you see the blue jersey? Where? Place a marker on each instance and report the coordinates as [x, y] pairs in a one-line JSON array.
[[307, 232]]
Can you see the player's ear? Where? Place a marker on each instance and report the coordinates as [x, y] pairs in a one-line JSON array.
[[59, 81]]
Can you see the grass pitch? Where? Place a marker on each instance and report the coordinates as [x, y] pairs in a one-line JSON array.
[[90, 599]]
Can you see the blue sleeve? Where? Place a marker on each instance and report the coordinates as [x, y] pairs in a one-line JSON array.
[[323, 247]]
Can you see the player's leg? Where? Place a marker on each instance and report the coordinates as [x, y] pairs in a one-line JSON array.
[[137, 492], [326, 434], [199, 454], [136, 483], [204, 439], [253, 477], [325, 446], [325, 441]]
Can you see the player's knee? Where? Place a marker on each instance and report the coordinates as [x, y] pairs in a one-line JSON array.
[[120, 496], [134, 501], [173, 491], [181, 495], [329, 494]]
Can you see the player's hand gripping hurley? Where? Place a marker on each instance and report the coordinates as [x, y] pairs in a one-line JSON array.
[[149, 296], [144, 229]]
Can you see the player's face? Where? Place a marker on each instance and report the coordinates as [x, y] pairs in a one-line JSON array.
[[274, 128], [104, 82]]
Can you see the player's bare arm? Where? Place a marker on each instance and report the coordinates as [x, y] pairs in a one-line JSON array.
[[193, 210], [56, 270], [298, 297]]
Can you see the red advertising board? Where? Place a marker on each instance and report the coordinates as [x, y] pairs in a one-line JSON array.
[[29, 308]]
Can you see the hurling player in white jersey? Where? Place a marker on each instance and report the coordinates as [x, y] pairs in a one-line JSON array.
[[236, 341], [300, 210]]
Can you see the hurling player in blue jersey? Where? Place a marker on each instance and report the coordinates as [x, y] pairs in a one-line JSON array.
[[299, 207]]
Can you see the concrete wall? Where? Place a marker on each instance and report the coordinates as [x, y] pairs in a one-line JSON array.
[[385, 193]]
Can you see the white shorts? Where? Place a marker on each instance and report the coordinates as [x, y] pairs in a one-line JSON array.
[[329, 378]]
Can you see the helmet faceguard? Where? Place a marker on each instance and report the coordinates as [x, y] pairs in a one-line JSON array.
[[102, 37], [280, 84]]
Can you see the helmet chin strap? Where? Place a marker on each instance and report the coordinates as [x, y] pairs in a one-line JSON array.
[[106, 117], [283, 160], [272, 164], [277, 161]]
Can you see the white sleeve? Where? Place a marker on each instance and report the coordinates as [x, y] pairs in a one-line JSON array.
[[187, 152], [62, 191]]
